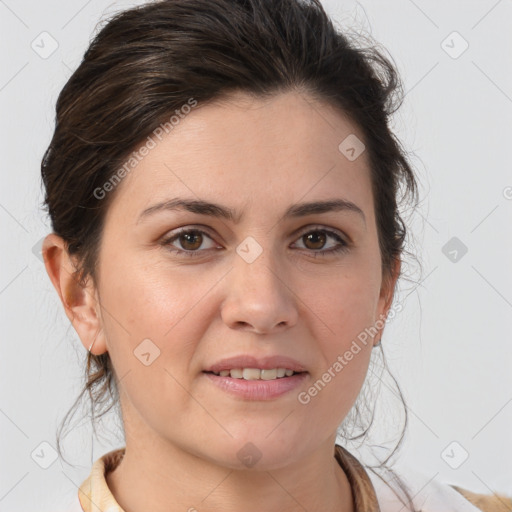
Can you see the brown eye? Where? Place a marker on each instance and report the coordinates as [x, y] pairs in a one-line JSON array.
[[315, 240], [188, 242], [191, 240]]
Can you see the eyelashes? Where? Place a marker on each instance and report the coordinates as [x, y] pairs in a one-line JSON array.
[[192, 234]]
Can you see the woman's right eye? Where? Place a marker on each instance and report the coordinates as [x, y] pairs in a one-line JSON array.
[[189, 239]]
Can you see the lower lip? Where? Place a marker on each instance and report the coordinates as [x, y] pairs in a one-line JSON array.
[[257, 389]]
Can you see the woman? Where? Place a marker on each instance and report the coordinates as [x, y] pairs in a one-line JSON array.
[[223, 189]]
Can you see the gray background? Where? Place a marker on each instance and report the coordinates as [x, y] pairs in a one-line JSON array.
[[450, 347]]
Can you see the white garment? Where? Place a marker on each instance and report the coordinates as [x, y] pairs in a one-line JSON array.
[[433, 496], [73, 506]]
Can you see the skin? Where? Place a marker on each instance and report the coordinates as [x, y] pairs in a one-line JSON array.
[[182, 432]]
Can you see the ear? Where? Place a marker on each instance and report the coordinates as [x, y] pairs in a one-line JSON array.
[[386, 295], [81, 303]]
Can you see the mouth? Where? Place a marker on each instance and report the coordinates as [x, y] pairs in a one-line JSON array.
[[255, 384], [249, 377]]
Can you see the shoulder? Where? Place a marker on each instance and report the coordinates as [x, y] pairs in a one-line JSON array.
[[487, 502], [431, 494]]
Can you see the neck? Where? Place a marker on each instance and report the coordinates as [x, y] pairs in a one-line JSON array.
[[162, 477]]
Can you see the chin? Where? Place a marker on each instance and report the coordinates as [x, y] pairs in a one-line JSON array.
[[255, 452]]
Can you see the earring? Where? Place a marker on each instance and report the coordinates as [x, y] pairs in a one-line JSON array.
[[92, 345]]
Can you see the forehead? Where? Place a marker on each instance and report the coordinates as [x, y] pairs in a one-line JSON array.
[[249, 150]]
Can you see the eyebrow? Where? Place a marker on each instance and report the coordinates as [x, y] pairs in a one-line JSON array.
[[220, 211]]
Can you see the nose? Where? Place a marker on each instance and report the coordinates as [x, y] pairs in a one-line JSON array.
[[258, 298]]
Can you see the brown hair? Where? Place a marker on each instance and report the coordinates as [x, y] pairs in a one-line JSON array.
[[149, 61]]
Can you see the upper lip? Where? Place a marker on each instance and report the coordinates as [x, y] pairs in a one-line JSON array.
[[248, 361]]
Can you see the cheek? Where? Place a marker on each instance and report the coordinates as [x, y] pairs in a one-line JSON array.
[[345, 310], [143, 311], [346, 355], [344, 303], [157, 314], [149, 299], [151, 328]]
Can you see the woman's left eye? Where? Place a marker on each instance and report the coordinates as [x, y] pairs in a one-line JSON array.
[[319, 236], [192, 239]]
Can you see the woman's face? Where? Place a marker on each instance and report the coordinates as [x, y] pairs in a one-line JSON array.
[[260, 283]]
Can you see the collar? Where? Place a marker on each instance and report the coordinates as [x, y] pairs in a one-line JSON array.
[[363, 492], [95, 496]]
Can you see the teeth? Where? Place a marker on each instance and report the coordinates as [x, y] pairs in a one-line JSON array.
[[269, 374], [256, 373], [251, 373]]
